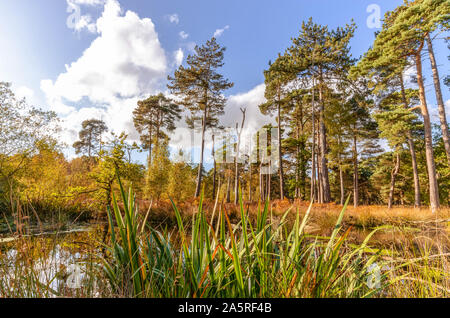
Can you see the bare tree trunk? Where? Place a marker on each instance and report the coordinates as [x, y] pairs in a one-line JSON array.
[[250, 183], [280, 154], [261, 183], [394, 173], [355, 173], [412, 151], [228, 187], [215, 168], [236, 167], [439, 99], [432, 179], [269, 181]]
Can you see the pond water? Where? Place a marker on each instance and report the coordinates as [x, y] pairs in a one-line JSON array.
[[51, 264]]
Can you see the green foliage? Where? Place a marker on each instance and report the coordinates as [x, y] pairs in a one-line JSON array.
[[395, 122], [181, 180], [158, 174], [112, 162], [22, 127]]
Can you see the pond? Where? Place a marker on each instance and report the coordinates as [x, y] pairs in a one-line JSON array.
[[52, 264]]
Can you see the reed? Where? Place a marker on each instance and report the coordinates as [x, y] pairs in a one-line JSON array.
[[215, 258], [209, 254]]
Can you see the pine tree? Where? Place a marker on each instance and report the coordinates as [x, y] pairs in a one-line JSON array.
[[154, 115], [275, 94], [403, 37], [296, 144], [322, 56], [363, 132], [439, 98], [90, 137], [339, 115], [395, 123], [200, 88], [386, 77]]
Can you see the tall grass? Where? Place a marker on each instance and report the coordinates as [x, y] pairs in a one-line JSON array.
[[214, 258], [212, 255]]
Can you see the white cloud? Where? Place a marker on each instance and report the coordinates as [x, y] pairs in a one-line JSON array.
[[178, 56], [434, 112], [76, 20], [183, 35], [85, 23], [409, 75], [87, 2], [174, 18], [219, 32], [447, 109], [251, 101], [184, 138], [124, 63], [25, 92]]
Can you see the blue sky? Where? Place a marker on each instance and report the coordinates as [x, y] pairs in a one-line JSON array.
[[52, 64]]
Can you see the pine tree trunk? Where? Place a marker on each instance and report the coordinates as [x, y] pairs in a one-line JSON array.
[[319, 170], [319, 181], [415, 170], [200, 166], [439, 99], [394, 173], [412, 151], [90, 146], [297, 168], [341, 181], [280, 154], [303, 164], [158, 129], [313, 157], [323, 151], [150, 132], [432, 179]]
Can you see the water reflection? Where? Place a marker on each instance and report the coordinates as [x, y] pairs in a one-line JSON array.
[[51, 265]]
